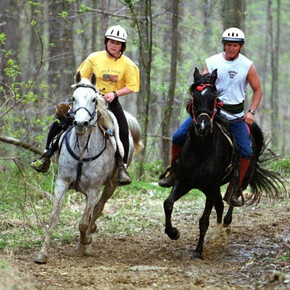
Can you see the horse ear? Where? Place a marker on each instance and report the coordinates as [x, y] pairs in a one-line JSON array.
[[196, 75], [213, 76], [78, 77], [93, 79]]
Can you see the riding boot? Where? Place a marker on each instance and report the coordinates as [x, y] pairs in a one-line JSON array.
[[42, 164], [123, 176], [233, 197], [166, 179]]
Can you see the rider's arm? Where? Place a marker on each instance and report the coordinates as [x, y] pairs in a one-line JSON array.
[[205, 71], [121, 92], [255, 84]]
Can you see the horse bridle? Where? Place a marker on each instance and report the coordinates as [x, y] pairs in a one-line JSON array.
[[209, 114], [80, 157], [92, 115]]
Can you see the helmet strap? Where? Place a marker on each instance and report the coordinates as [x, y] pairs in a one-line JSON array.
[[113, 55], [121, 52]]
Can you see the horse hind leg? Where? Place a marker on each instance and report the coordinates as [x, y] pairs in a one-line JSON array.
[[60, 190]]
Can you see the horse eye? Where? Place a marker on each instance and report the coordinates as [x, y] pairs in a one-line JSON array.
[[73, 99], [94, 99]]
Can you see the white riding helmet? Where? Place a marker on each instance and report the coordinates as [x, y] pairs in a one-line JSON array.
[[117, 33], [233, 34]]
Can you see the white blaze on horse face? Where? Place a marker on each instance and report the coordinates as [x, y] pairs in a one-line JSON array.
[[202, 125]]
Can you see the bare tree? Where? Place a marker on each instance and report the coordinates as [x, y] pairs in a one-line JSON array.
[[61, 48], [168, 108], [232, 13], [274, 48]]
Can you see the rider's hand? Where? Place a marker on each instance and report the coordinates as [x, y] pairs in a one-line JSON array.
[[249, 118], [109, 97]]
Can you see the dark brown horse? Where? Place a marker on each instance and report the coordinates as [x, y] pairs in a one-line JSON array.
[[209, 159]]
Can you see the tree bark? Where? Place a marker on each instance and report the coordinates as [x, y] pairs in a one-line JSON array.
[[19, 143], [168, 109]]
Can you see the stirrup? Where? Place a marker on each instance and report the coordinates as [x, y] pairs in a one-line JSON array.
[[232, 197], [167, 178], [41, 164], [123, 176], [234, 200]]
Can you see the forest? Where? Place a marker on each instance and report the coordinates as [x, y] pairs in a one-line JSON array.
[[43, 43]]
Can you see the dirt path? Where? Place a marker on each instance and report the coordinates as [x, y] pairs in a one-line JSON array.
[[252, 257]]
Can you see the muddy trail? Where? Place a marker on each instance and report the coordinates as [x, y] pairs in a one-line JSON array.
[[254, 255]]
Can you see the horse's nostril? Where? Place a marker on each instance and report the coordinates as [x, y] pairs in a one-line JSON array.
[[86, 123], [75, 123]]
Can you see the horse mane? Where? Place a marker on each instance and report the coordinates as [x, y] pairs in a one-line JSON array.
[[104, 120]]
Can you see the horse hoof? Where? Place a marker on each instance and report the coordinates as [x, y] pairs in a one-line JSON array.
[[197, 255], [173, 234], [40, 259], [228, 230], [80, 249]]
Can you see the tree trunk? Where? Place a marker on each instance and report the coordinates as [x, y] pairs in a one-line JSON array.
[[232, 13], [61, 55], [172, 83], [274, 97]]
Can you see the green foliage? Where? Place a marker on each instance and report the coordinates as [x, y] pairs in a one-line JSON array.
[[286, 257], [63, 14], [2, 38], [84, 8], [282, 166], [26, 204]]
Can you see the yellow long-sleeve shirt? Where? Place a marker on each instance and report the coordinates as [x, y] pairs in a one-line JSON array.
[[112, 74]]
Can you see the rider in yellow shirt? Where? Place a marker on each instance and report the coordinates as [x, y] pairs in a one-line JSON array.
[[117, 75]]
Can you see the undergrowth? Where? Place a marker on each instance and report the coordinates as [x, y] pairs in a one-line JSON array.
[[26, 203]]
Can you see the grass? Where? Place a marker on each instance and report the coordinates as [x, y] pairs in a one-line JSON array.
[[26, 203]]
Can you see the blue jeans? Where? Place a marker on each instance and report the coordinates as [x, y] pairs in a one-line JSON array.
[[238, 128]]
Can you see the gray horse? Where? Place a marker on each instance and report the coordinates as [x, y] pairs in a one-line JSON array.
[[86, 161]]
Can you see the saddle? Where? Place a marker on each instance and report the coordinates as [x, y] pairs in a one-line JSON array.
[[111, 129]]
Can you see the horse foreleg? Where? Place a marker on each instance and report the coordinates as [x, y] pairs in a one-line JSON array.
[[219, 208], [60, 190], [203, 226], [176, 193], [91, 199], [108, 191]]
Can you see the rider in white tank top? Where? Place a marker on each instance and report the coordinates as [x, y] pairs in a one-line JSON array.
[[232, 79]]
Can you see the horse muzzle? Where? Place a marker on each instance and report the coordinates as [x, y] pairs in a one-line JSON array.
[[203, 125], [81, 127]]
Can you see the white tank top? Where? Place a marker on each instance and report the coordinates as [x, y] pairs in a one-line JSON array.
[[232, 79]]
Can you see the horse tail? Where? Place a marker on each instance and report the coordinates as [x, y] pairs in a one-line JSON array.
[[135, 130], [263, 180]]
